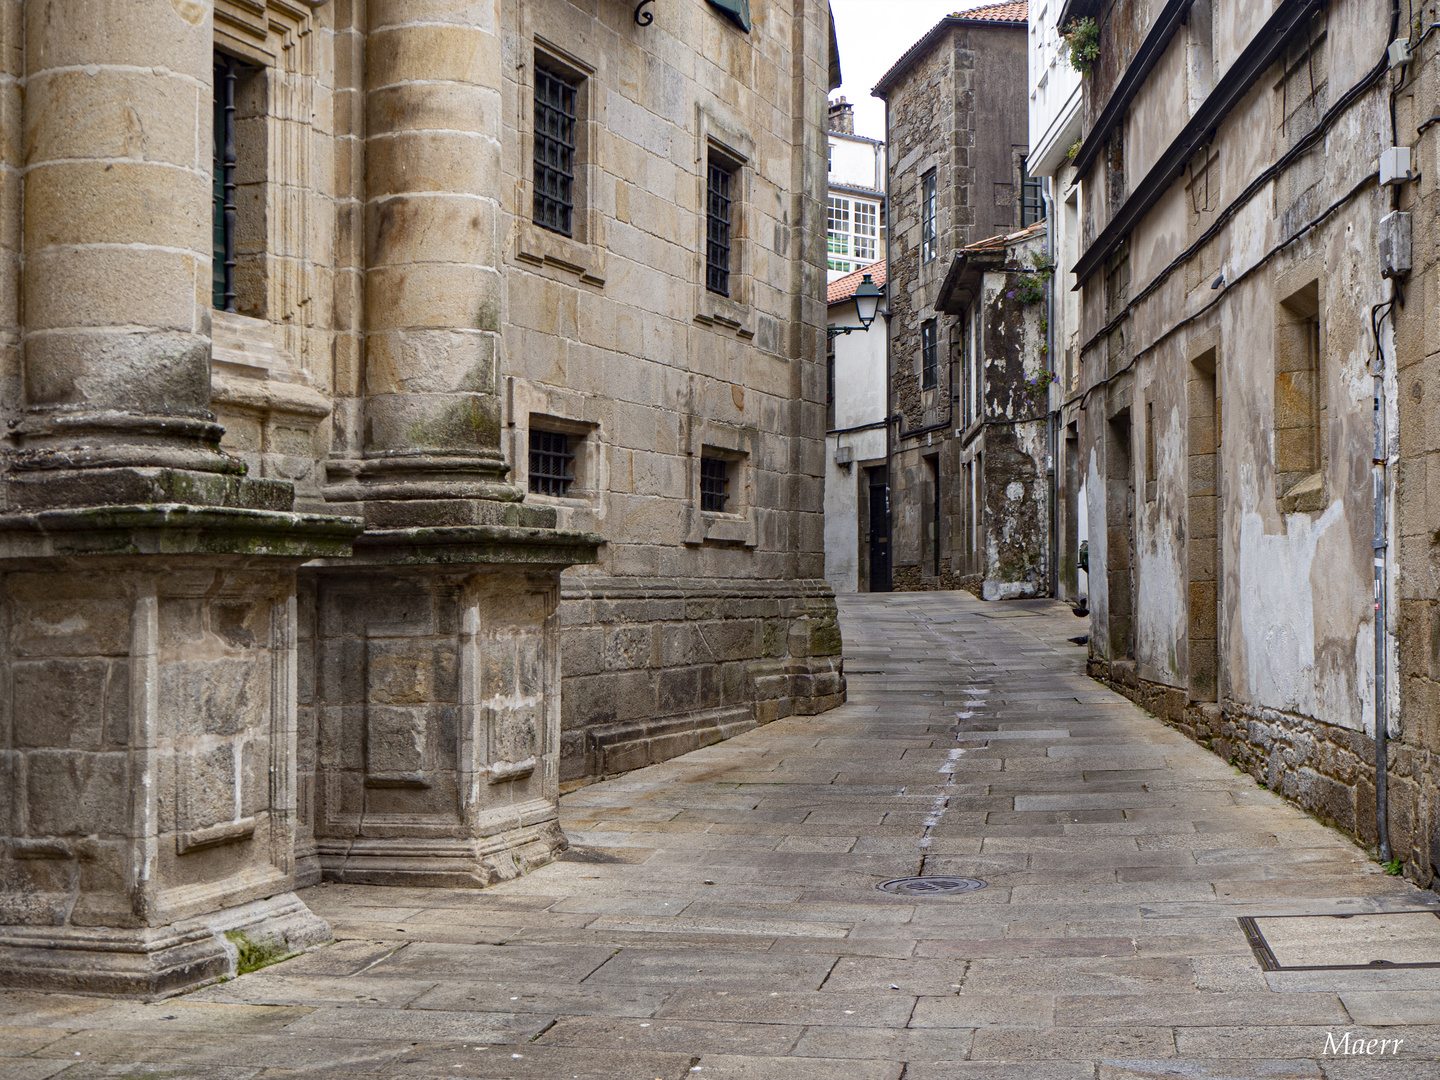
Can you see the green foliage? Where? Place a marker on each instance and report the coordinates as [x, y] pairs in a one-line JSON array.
[[1394, 867], [1082, 44], [1035, 285], [1073, 152]]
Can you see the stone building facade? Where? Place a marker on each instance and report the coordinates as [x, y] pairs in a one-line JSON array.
[[956, 143], [331, 333], [1236, 307], [996, 291]]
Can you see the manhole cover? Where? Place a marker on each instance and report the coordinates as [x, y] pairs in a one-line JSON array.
[[929, 886]]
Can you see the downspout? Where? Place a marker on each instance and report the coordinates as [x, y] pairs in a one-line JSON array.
[[1052, 418], [889, 368], [1380, 545]]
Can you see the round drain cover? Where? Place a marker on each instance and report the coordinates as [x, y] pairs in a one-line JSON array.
[[929, 886]]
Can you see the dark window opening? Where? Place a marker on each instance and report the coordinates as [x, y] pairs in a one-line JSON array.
[[1032, 198], [551, 462], [714, 484], [927, 216], [227, 73], [554, 151], [929, 366], [719, 199]]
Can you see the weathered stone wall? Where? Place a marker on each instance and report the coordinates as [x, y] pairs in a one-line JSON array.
[[612, 337], [1228, 432], [959, 109]]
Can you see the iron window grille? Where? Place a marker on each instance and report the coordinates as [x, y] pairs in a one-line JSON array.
[[714, 484], [927, 216], [227, 72], [719, 200], [551, 463], [555, 99], [929, 368]]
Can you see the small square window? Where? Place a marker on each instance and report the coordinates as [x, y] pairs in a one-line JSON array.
[[714, 484], [552, 464], [719, 203]]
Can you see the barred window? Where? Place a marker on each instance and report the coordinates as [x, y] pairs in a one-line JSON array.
[[551, 462], [714, 484], [929, 368], [719, 199], [554, 151], [927, 216]]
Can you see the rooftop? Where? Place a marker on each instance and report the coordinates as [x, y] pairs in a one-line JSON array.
[[1011, 13], [842, 289]]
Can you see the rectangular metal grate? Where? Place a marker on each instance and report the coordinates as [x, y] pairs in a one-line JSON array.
[[551, 462], [717, 228], [714, 484], [1360, 942], [554, 152]]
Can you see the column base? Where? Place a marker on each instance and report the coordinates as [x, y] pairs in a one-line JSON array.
[[442, 862], [158, 962]]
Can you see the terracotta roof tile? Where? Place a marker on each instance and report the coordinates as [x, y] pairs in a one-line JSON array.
[[842, 289], [1016, 12]]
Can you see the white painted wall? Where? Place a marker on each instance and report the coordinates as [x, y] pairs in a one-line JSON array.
[[1054, 92], [859, 400]]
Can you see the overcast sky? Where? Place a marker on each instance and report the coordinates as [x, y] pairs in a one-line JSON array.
[[873, 34]]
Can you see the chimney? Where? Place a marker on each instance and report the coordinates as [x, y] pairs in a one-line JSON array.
[[842, 117]]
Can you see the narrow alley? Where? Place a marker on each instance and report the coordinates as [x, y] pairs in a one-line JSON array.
[[719, 916]]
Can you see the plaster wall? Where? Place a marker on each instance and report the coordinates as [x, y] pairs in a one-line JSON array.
[[1295, 609]]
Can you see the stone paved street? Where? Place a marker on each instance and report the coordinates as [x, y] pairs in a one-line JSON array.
[[718, 916]]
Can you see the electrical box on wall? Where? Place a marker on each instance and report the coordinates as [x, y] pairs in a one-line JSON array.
[[1395, 250], [844, 455], [1395, 165]]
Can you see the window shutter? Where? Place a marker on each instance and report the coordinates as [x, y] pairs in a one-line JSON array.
[[737, 10]]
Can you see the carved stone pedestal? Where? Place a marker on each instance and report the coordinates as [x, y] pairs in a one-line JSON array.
[[435, 700], [147, 743]]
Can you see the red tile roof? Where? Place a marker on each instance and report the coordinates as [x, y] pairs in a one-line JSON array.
[[842, 289], [1011, 13]]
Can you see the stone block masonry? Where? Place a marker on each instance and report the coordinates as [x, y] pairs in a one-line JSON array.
[[279, 600]]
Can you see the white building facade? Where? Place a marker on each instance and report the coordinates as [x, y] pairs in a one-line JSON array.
[[855, 215], [857, 533], [1054, 98]]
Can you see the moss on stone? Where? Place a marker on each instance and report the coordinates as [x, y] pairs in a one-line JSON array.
[[254, 955]]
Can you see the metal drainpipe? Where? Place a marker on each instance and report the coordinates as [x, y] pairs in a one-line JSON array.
[[1380, 544], [1052, 419]]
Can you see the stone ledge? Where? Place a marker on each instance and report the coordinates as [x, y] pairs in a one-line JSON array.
[[153, 962], [633, 744], [442, 862], [174, 529], [452, 545]]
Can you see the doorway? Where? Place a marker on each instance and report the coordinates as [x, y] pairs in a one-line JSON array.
[[879, 529]]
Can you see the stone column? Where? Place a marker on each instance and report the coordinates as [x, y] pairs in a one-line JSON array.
[[431, 412], [117, 223], [436, 680], [147, 589]]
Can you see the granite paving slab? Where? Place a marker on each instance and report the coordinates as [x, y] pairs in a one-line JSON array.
[[718, 914]]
